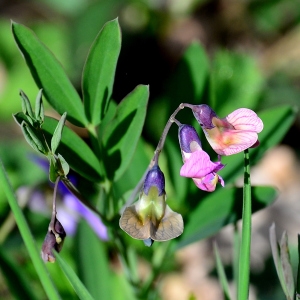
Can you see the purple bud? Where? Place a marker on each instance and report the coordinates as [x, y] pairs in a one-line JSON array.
[[186, 135], [204, 114], [155, 177]]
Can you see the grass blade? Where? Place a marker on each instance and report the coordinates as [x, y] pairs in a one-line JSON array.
[[276, 257], [27, 237], [78, 286], [298, 273], [221, 273], [286, 267]]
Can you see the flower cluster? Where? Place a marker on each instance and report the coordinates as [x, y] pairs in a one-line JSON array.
[[150, 218]]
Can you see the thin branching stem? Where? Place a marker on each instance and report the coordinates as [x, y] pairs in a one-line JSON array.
[[53, 217], [157, 152]]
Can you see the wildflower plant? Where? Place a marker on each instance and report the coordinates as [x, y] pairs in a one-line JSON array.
[[116, 164]]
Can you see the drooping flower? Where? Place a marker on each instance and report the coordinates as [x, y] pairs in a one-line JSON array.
[[197, 164], [150, 218], [53, 241], [232, 134]]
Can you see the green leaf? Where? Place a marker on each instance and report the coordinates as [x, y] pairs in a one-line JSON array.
[[52, 170], [58, 133], [65, 166], [236, 81], [221, 273], [29, 241], [78, 286], [220, 208], [276, 257], [39, 107], [123, 132], [49, 75], [26, 105], [13, 274], [99, 71], [32, 139], [189, 81], [75, 151], [20, 117], [93, 266], [286, 267]]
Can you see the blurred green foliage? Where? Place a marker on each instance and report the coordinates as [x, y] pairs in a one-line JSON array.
[[247, 56]]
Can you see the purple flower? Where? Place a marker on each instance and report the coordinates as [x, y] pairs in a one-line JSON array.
[[71, 209], [197, 164], [150, 218]]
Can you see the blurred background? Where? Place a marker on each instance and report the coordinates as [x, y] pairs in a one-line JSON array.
[[252, 44]]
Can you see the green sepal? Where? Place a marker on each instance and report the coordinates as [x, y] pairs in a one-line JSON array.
[[55, 140], [39, 107], [26, 105]]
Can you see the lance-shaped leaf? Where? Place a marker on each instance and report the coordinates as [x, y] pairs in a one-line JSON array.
[[52, 170], [286, 266], [123, 132], [220, 208], [49, 75], [39, 107], [282, 262], [75, 151], [99, 71], [32, 138], [65, 166], [276, 256], [57, 133], [26, 105], [20, 117]]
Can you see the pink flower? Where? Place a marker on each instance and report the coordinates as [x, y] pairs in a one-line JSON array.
[[197, 164], [232, 134]]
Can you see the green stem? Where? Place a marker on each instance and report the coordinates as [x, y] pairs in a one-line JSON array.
[[298, 272], [236, 254], [27, 237], [244, 260], [155, 158]]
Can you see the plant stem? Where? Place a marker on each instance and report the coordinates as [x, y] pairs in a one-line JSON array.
[[244, 260], [155, 158], [164, 135]]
